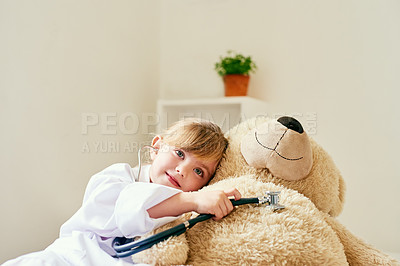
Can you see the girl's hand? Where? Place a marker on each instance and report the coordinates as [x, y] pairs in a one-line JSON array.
[[216, 202]]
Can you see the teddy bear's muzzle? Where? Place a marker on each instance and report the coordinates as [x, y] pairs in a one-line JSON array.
[[282, 146]]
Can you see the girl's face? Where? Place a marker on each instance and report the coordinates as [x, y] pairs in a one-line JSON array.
[[174, 167]]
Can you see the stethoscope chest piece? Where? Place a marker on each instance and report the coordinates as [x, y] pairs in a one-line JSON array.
[[271, 199]]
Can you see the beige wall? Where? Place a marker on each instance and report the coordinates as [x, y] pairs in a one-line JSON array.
[[338, 59], [60, 60]]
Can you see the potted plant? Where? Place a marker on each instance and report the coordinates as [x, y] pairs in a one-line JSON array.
[[235, 70]]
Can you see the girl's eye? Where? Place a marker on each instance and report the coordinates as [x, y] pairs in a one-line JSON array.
[[180, 153], [198, 171]]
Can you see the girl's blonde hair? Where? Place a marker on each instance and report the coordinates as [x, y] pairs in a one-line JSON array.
[[202, 138]]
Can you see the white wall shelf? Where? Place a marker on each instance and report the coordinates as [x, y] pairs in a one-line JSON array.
[[224, 111]]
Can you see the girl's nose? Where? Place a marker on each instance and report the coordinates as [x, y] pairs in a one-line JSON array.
[[181, 169]]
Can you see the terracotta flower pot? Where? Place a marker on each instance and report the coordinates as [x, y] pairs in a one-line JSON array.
[[236, 85]]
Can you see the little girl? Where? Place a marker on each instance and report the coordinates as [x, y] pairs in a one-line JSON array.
[[120, 203]]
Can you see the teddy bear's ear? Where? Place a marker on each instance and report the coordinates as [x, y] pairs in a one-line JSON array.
[[282, 146]]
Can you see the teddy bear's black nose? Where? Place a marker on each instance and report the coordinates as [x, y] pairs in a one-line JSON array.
[[291, 123]]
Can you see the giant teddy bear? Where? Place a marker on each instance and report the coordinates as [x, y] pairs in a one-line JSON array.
[[272, 155]]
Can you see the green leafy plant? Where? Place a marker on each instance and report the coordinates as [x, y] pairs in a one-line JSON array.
[[235, 63]]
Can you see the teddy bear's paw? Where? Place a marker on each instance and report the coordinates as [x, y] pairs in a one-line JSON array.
[[255, 235]]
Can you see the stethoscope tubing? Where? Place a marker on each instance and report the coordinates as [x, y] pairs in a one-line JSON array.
[[126, 247]]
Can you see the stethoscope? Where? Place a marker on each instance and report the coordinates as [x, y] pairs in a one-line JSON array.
[[140, 157], [125, 247]]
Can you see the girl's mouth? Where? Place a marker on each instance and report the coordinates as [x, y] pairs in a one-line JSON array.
[[172, 180]]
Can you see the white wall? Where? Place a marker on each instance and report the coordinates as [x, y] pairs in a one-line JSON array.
[[338, 59], [59, 60]]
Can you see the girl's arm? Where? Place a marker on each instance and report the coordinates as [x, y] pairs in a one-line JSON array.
[[211, 202], [115, 206]]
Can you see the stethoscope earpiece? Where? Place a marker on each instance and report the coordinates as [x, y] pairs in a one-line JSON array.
[[140, 156]]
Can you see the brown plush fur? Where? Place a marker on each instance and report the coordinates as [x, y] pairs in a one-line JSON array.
[[255, 235], [304, 233], [172, 251], [324, 185]]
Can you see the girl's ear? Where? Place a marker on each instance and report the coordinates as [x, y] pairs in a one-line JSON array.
[[156, 144]]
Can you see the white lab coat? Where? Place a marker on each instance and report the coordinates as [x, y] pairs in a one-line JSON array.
[[114, 205]]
